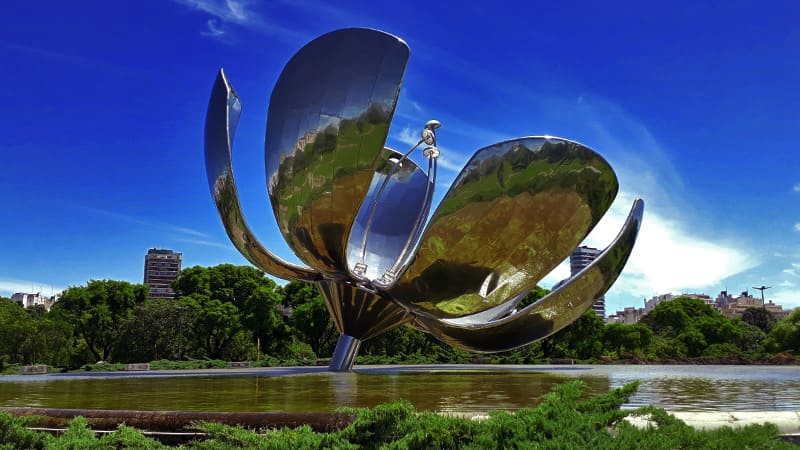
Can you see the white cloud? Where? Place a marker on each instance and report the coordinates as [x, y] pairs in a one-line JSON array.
[[239, 13], [9, 287], [226, 10], [797, 187], [150, 223], [207, 243], [667, 256], [213, 29], [797, 227], [789, 272], [786, 283], [786, 296]]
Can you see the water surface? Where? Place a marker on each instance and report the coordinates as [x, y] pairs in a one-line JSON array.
[[432, 388]]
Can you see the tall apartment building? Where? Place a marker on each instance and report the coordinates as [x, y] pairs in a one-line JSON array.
[[161, 267], [580, 258]]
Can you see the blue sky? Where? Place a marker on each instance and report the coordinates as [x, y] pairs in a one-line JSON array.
[[694, 103]]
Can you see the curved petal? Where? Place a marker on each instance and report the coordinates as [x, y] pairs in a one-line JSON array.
[[551, 313], [221, 120], [515, 212], [390, 220], [328, 118], [487, 315]]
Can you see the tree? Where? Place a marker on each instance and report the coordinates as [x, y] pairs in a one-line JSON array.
[[621, 338], [254, 298], [786, 332], [260, 316], [16, 326], [690, 324], [217, 327], [310, 316], [97, 311], [582, 339], [157, 329], [759, 317]]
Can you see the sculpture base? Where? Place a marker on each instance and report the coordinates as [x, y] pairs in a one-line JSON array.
[[345, 354]]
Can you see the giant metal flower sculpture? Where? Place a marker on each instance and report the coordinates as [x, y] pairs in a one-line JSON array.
[[354, 211]]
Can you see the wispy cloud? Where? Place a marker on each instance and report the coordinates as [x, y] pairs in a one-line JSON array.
[[213, 29], [797, 187], [227, 13], [206, 243], [150, 223], [797, 227], [62, 57], [9, 287]]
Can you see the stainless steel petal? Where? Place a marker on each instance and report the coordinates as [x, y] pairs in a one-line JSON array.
[[515, 212], [329, 115], [497, 312], [390, 220], [551, 313], [222, 117]]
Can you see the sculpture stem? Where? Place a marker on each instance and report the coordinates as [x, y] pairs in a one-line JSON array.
[[345, 354]]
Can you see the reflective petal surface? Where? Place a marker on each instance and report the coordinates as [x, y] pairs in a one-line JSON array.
[[222, 117], [359, 313], [514, 212], [328, 118], [390, 220], [551, 313]]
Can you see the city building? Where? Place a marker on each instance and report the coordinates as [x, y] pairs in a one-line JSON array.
[[651, 304], [161, 267], [628, 316], [731, 306], [580, 258], [37, 299]]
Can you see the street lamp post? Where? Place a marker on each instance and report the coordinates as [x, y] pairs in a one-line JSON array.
[[762, 289]]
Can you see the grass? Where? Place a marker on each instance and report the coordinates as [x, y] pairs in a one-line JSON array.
[[562, 421]]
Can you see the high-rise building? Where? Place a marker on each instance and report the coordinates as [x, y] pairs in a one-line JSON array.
[[580, 258], [161, 267]]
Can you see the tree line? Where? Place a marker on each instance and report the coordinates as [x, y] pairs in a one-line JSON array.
[[234, 313]]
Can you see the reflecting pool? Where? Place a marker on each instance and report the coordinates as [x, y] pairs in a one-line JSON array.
[[464, 389]]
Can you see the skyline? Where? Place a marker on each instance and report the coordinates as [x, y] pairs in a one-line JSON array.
[[693, 104]]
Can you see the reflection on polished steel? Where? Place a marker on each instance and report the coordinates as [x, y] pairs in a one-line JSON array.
[[354, 212]]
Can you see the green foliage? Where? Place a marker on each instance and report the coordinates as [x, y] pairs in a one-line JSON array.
[[157, 329], [233, 309], [310, 318], [14, 433], [759, 318], [622, 338], [691, 326], [786, 332], [127, 437], [725, 350], [230, 312], [217, 328], [96, 311], [188, 365], [581, 339]]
